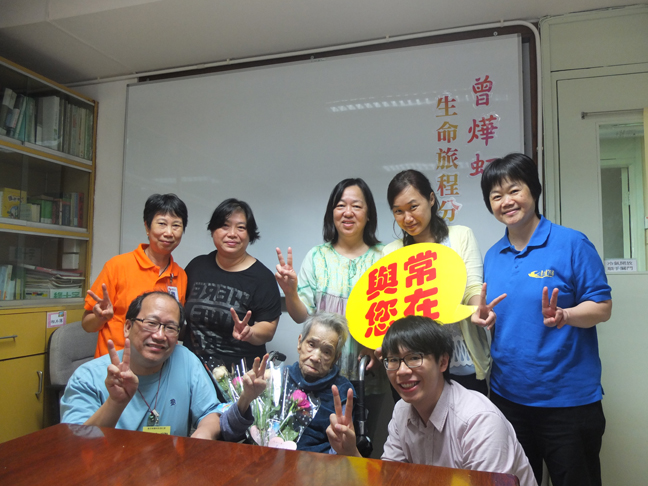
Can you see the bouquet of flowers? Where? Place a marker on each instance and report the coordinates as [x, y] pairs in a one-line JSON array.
[[231, 384], [281, 413]]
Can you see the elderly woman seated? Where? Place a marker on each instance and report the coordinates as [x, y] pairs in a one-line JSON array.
[[319, 347]]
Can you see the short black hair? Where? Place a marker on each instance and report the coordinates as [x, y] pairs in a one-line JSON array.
[[165, 204], [330, 233], [418, 181], [514, 167], [419, 334], [225, 210], [136, 306]]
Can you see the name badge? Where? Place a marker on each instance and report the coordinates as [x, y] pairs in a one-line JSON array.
[[174, 291], [158, 429]]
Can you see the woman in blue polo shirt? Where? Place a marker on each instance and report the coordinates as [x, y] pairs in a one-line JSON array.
[[546, 375]]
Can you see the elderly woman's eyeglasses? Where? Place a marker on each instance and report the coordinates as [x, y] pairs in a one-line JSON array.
[[152, 326], [413, 360]]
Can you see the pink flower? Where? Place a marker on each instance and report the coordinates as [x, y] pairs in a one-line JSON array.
[[301, 399], [237, 382]]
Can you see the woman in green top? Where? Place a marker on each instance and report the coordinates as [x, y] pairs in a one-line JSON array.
[[329, 271]]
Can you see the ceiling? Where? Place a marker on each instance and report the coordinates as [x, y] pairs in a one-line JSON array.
[[71, 41]]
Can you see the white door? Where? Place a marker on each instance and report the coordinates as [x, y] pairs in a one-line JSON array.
[[610, 101]]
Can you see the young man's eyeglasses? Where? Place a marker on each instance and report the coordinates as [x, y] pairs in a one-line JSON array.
[[412, 360], [152, 326]]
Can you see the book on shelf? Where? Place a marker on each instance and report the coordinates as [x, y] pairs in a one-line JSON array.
[[6, 108], [80, 135], [74, 206], [36, 294], [19, 277], [30, 122], [89, 134], [48, 115], [63, 209], [53, 293], [39, 123], [52, 271], [71, 129], [57, 211], [68, 293], [5, 282], [80, 209], [30, 212], [73, 200], [45, 203], [44, 283], [50, 121], [10, 293], [16, 115], [11, 201], [61, 124], [23, 119]]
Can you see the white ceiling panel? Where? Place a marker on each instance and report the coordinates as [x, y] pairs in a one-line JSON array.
[[77, 40], [51, 52]]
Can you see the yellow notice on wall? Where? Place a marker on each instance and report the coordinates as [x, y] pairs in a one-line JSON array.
[[425, 279]]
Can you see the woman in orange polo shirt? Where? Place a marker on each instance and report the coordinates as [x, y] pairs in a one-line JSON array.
[[149, 267]]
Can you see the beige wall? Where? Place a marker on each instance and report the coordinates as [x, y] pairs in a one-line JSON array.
[[110, 162]]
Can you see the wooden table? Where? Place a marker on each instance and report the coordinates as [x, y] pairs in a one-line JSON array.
[[78, 454]]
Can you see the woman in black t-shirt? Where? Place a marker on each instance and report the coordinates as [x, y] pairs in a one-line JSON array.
[[232, 299]]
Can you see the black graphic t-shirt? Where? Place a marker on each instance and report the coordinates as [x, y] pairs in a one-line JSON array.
[[211, 292]]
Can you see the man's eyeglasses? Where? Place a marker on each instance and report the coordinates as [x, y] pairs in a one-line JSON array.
[[152, 326], [413, 360]]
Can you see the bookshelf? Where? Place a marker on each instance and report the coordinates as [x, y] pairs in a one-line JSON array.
[[47, 145], [47, 164]]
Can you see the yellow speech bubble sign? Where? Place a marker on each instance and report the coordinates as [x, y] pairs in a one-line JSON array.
[[425, 279]]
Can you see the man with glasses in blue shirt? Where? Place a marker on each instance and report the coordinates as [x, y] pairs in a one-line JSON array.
[[153, 385], [438, 422]]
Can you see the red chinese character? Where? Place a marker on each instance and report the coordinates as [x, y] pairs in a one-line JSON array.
[[448, 209], [448, 185], [485, 129], [478, 164], [447, 159], [421, 268], [445, 103], [382, 279], [482, 91], [447, 132], [379, 316], [426, 306]]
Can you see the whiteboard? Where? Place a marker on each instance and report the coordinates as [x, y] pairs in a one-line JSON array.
[[281, 136]]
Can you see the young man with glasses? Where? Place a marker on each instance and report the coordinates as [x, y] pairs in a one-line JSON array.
[[438, 422], [152, 385]]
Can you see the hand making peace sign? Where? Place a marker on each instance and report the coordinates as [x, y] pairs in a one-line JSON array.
[[254, 380], [341, 433], [121, 382], [554, 316], [103, 309], [241, 331], [286, 275], [484, 316]]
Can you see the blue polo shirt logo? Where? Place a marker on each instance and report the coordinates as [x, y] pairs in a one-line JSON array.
[[541, 274]]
